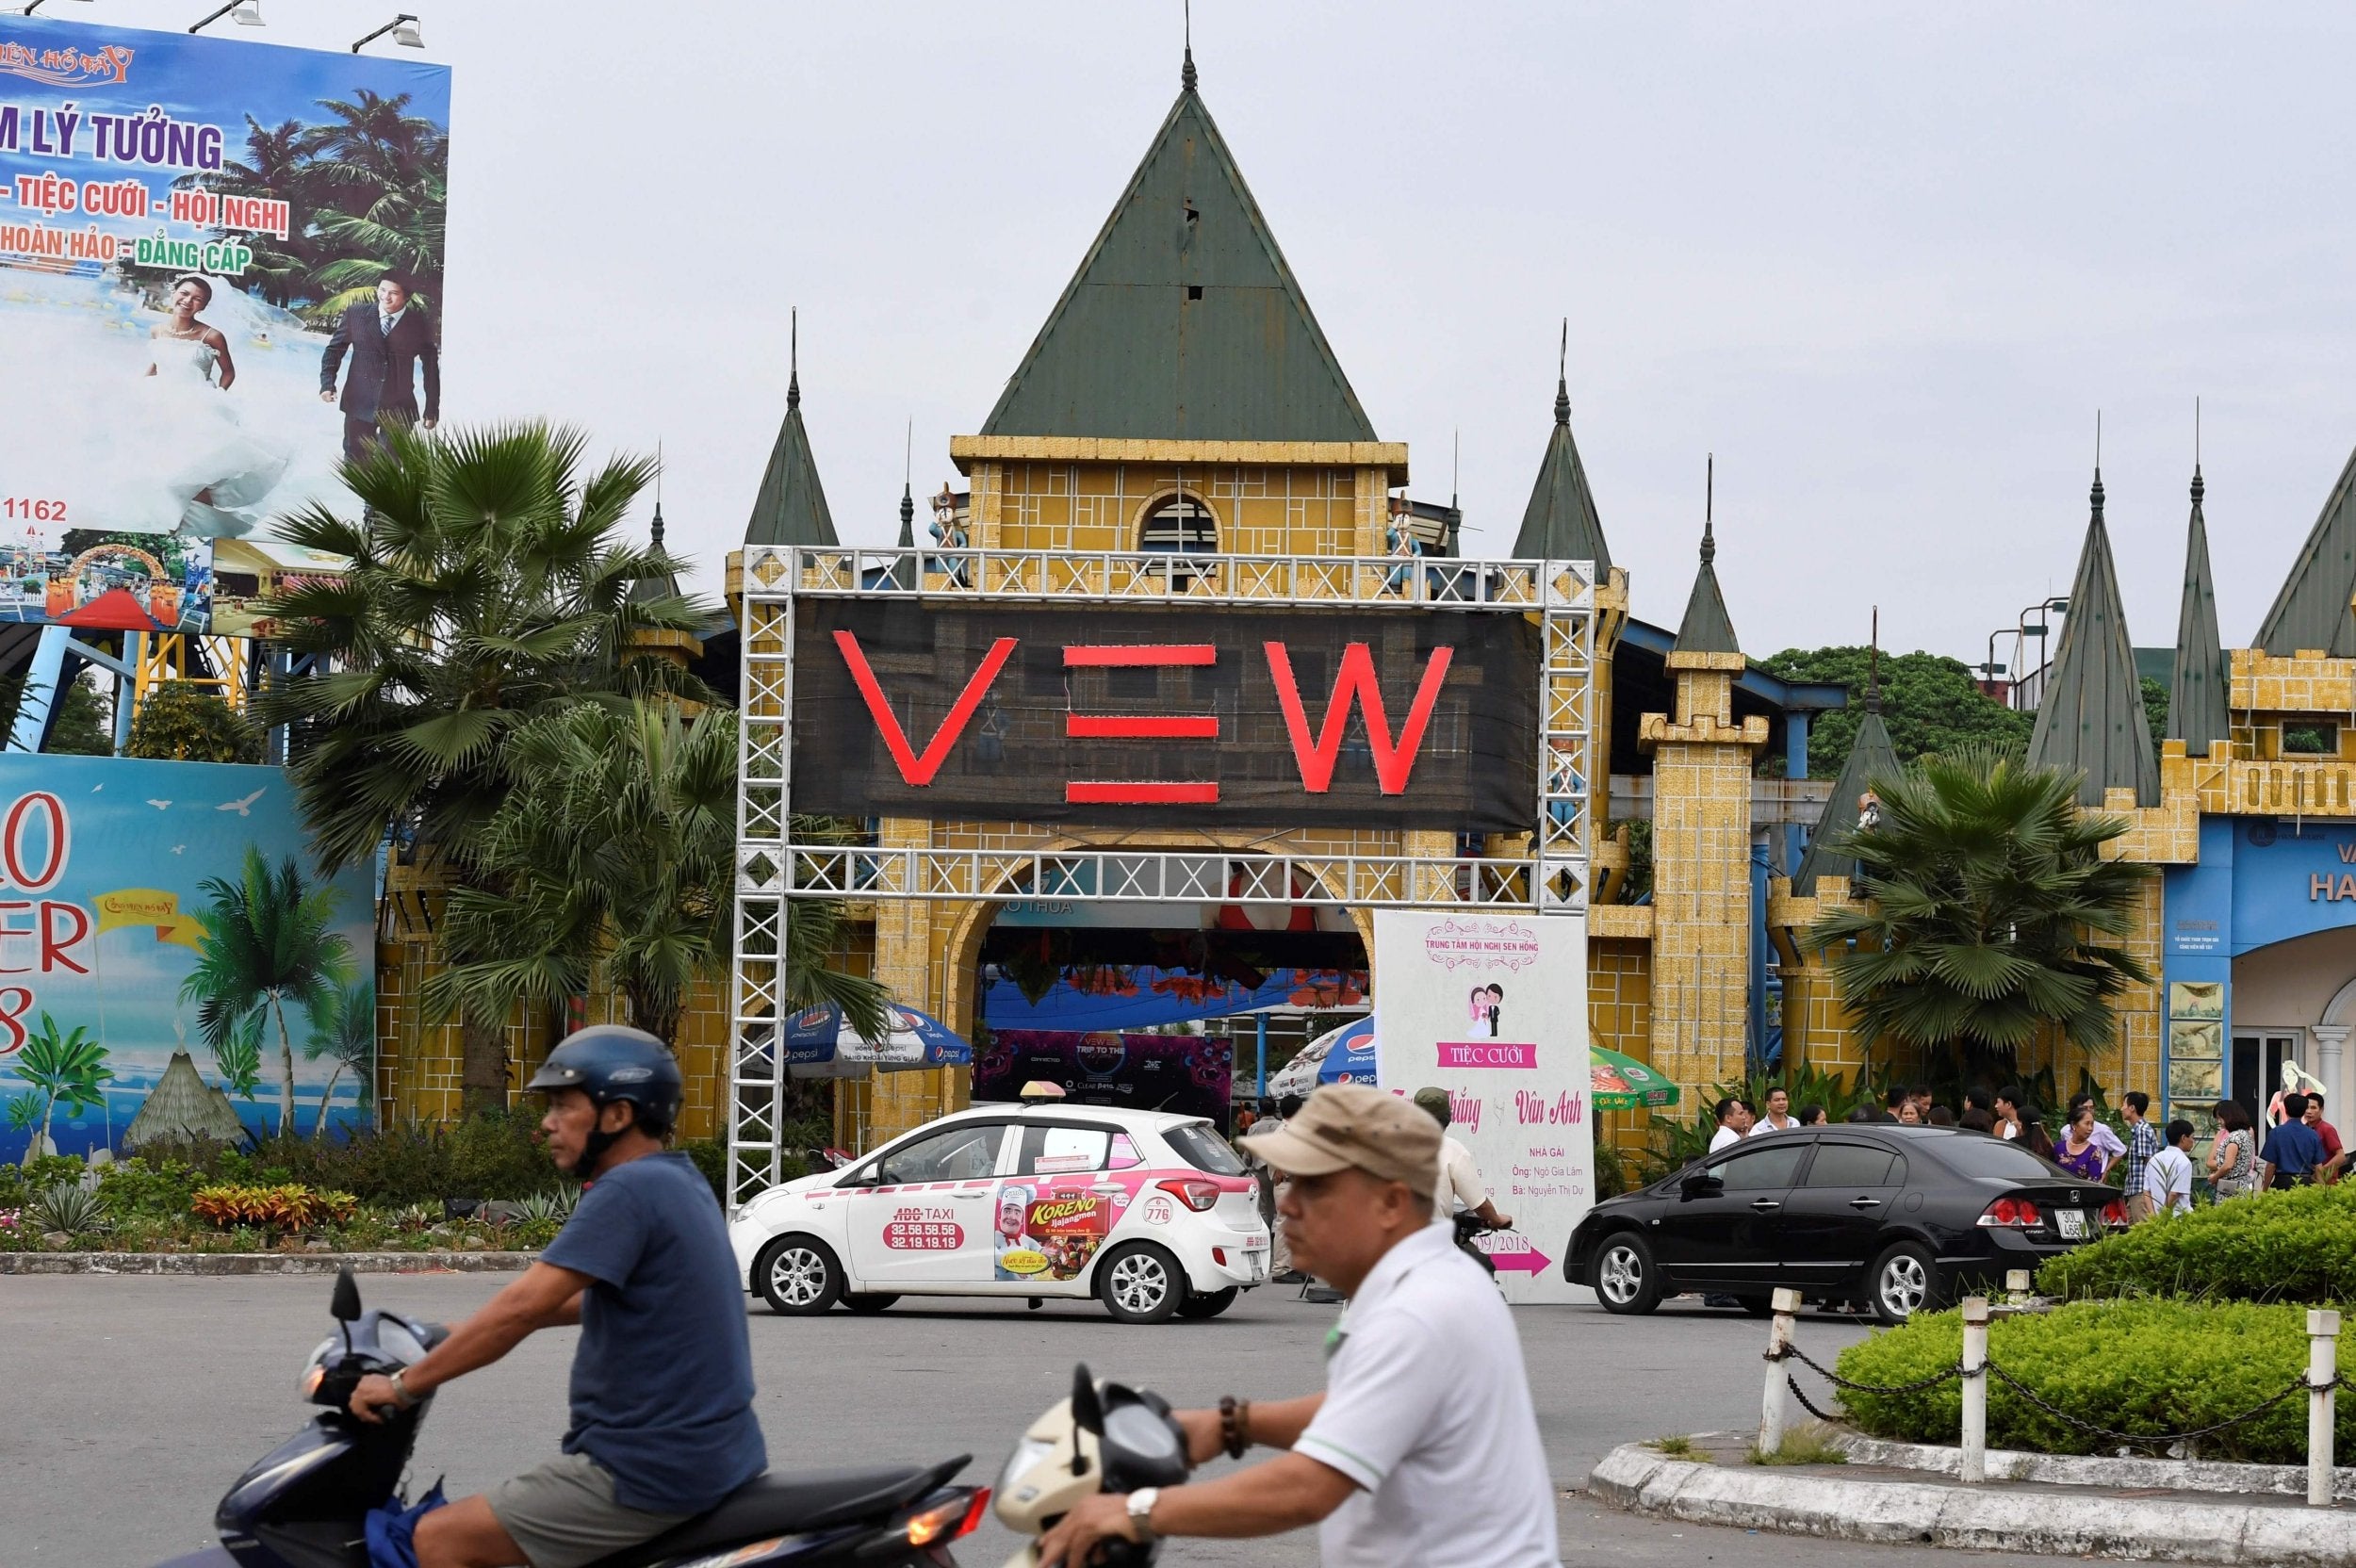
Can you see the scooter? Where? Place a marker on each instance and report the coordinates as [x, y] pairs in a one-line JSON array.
[[1105, 1438], [305, 1504]]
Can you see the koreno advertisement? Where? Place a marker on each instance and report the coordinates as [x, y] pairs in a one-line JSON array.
[[1155, 717], [221, 271], [1493, 1009]]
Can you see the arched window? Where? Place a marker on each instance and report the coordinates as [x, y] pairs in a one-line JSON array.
[[1180, 524]]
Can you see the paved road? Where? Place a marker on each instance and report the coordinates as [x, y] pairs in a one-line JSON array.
[[131, 1403]]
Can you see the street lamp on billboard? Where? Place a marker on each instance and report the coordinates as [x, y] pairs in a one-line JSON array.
[[404, 30], [2025, 628], [246, 13], [29, 7]]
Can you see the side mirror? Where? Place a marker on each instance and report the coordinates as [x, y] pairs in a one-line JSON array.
[[345, 1304], [1700, 1184]]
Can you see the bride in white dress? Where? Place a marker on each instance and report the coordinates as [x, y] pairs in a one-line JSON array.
[[203, 469]]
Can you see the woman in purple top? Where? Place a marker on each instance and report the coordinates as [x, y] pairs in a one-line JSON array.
[[2078, 1152]]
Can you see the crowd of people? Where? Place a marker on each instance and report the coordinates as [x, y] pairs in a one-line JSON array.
[[2300, 1147]]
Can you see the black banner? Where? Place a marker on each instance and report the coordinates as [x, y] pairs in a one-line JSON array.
[[1145, 716]]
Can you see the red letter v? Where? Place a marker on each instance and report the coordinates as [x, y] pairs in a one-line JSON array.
[[918, 770]]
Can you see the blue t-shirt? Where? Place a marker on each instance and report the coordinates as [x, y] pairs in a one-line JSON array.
[[2293, 1148], [663, 1381]]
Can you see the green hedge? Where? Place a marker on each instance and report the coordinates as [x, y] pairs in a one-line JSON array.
[[2149, 1367], [2293, 1246]]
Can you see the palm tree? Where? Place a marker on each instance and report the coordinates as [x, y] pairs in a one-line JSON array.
[[269, 941], [69, 1067], [1985, 904], [489, 585], [237, 1056], [616, 850], [344, 1028], [401, 231]]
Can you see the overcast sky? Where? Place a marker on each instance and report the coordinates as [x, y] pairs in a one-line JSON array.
[[1887, 261]]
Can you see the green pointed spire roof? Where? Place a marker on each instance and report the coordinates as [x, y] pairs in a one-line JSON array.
[[2090, 714], [1560, 523], [2197, 696], [908, 517], [2311, 611], [662, 585], [791, 507], [1707, 627], [1870, 756], [1183, 322]]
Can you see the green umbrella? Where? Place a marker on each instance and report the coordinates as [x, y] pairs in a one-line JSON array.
[[1624, 1084]]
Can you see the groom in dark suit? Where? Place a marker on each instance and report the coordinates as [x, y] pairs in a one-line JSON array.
[[388, 342]]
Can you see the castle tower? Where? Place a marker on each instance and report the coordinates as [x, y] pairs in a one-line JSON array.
[[1702, 916], [1818, 1030], [2197, 712], [2090, 714], [791, 506]]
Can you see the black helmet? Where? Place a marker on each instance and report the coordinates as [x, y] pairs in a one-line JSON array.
[[613, 1061]]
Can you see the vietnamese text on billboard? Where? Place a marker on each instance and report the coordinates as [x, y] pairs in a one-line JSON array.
[[221, 270]]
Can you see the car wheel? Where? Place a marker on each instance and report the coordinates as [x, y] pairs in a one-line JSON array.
[[1208, 1304], [797, 1276], [1905, 1281], [1624, 1277], [867, 1301], [1140, 1284]]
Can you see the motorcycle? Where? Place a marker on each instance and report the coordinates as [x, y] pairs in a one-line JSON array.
[[1105, 1438], [305, 1504], [1469, 1225]]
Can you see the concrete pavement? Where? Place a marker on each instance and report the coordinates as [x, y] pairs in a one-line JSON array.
[[132, 1403]]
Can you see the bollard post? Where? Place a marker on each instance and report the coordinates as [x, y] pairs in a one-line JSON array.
[[2323, 1369], [1972, 1468], [2016, 1287], [1774, 1406]]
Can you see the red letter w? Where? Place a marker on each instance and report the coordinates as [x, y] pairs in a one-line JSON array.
[[919, 770], [1355, 681]]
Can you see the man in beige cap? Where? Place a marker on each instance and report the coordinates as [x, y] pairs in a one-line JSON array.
[[1423, 1447]]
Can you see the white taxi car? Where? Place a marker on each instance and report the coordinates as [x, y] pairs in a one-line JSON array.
[[1152, 1214]]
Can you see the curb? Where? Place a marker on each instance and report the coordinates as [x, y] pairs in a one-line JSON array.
[[2168, 1475], [191, 1264], [1978, 1518]]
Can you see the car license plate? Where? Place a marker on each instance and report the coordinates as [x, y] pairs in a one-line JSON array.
[[2071, 1223], [1255, 1243]]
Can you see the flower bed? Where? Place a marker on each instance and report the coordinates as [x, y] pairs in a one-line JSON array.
[[2148, 1367], [2293, 1246], [380, 1192]]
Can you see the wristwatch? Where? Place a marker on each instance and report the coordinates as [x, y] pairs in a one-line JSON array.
[[1141, 1512], [401, 1391]]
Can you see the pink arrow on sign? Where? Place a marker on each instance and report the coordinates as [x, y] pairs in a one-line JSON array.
[[1514, 1254]]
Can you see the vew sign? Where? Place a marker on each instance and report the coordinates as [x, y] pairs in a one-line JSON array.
[[1146, 717]]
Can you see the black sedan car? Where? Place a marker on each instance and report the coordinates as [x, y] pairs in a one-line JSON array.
[[1900, 1219]]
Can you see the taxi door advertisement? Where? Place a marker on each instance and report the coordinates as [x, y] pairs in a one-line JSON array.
[[1049, 1227]]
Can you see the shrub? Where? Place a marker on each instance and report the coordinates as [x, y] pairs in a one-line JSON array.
[[2148, 1367], [2297, 1245], [67, 1206], [136, 1190], [181, 722], [287, 1207]]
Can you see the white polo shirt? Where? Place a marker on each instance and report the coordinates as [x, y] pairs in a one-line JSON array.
[[1460, 1181], [1427, 1408]]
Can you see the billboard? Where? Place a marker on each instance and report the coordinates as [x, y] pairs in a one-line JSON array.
[[1493, 1009], [1158, 717], [170, 961], [194, 233], [1182, 1074]]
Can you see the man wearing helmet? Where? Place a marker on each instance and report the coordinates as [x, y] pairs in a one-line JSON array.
[[662, 1422]]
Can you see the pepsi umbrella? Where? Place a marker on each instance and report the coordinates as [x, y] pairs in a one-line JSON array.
[[1351, 1058], [820, 1043]]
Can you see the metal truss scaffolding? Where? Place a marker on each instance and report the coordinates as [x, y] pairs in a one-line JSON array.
[[1545, 873]]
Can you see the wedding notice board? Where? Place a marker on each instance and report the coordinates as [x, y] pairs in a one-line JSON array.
[[1493, 1009]]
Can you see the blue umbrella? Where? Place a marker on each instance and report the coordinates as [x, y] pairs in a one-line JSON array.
[[820, 1043], [1351, 1058]]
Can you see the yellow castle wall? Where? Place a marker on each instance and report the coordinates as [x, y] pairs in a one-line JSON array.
[[1261, 507]]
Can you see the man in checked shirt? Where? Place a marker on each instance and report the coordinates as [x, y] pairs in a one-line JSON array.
[[2143, 1141]]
